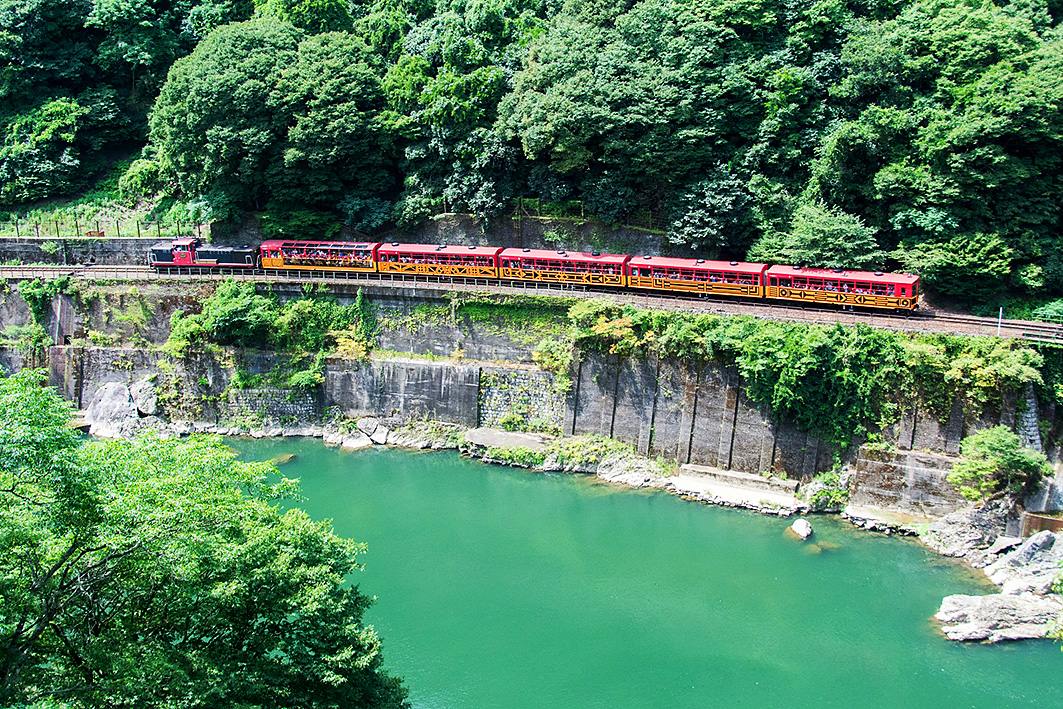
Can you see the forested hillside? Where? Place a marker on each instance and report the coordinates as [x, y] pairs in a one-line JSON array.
[[916, 134]]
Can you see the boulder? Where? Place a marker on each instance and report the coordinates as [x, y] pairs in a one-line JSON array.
[[1003, 544], [802, 528], [967, 533], [144, 396], [112, 412], [998, 616], [367, 425], [1032, 566], [355, 441], [332, 438], [379, 435]]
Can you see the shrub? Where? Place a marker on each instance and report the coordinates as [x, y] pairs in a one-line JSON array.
[[994, 460], [512, 422], [518, 457], [829, 493]]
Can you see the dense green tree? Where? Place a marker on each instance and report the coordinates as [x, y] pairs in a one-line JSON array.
[[310, 15], [43, 49], [261, 116], [715, 216], [444, 89], [164, 573], [337, 154], [236, 314], [954, 128], [995, 460], [629, 106], [210, 123], [822, 237]]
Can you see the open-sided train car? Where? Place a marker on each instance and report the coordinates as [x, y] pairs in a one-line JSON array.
[[441, 260], [193, 253], [319, 255], [581, 267], [866, 289], [687, 275]]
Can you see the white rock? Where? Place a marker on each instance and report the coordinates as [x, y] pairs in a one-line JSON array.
[[367, 425], [143, 394], [332, 438], [356, 441], [998, 616], [968, 532], [112, 412], [379, 436], [1003, 544], [1033, 566], [801, 528]]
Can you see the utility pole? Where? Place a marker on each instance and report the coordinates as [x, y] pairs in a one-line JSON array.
[[1000, 319]]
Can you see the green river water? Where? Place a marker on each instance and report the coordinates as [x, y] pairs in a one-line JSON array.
[[505, 588]]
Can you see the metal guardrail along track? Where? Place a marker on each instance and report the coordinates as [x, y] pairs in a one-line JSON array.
[[921, 321]]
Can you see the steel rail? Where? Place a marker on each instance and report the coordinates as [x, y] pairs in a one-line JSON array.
[[921, 321]]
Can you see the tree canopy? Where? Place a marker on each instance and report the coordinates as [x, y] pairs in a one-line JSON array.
[[995, 460], [929, 130], [164, 573]]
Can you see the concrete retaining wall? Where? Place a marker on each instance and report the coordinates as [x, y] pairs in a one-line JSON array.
[[687, 415]]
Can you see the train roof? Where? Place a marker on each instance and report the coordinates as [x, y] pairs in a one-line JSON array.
[[546, 254], [289, 243], [453, 249], [699, 264], [881, 276]]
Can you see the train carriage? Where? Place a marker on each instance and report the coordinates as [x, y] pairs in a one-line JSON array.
[[441, 260], [733, 278], [319, 255], [867, 289], [585, 268]]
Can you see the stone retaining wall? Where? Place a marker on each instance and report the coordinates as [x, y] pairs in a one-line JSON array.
[[271, 406], [527, 397], [110, 252], [908, 481]]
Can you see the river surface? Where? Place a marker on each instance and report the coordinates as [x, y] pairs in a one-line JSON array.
[[505, 588]]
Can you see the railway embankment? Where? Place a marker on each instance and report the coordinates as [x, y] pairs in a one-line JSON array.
[[842, 417]]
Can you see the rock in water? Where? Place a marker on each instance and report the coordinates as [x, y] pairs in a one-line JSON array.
[[998, 616], [282, 458], [968, 532], [1032, 566], [380, 435], [367, 425], [801, 528], [355, 441]]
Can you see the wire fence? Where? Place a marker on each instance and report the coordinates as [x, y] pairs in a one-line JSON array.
[[75, 228]]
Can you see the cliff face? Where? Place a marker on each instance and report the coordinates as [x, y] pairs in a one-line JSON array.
[[429, 362]]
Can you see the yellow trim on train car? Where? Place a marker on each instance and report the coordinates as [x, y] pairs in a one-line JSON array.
[[546, 276], [863, 300], [678, 284], [363, 266], [437, 269]]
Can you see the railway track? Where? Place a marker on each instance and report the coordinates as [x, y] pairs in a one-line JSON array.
[[921, 321]]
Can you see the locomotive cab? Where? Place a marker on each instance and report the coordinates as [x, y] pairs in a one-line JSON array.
[[192, 252]]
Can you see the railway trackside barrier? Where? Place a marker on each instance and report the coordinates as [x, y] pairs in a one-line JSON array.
[[344, 282]]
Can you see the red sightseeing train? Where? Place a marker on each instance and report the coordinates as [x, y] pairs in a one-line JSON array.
[[889, 291]]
